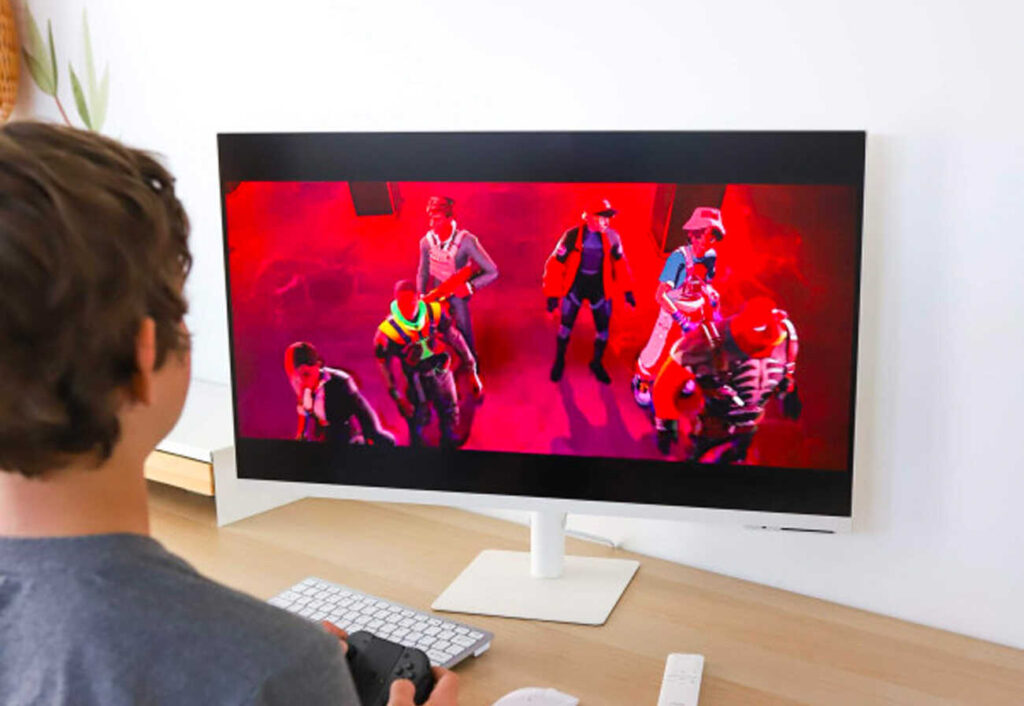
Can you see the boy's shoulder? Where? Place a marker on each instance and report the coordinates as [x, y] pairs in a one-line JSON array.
[[126, 606]]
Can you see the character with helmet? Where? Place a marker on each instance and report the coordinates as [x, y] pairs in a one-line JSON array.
[[684, 295], [328, 401], [420, 335], [445, 250], [740, 364], [588, 264]]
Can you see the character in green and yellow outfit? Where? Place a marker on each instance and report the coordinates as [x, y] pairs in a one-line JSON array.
[[421, 336]]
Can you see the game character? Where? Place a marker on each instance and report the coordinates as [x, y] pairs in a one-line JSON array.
[[446, 249], [588, 264], [414, 333], [684, 295], [328, 400], [740, 364]]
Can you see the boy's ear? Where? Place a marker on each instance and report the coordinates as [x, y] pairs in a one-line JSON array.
[[145, 362]]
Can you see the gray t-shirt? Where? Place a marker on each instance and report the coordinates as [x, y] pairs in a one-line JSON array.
[[116, 619]]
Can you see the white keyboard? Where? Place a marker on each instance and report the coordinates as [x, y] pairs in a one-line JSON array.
[[444, 641]]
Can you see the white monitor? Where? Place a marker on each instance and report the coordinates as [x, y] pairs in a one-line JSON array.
[[652, 324]]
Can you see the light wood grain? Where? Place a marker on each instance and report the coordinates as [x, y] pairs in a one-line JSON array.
[[762, 645], [189, 474]]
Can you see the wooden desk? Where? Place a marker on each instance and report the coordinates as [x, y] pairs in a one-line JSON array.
[[181, 472], [762, 645]]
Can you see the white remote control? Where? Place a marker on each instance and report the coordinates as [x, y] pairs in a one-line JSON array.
[[681, 684]]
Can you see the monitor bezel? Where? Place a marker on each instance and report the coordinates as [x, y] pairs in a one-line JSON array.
[[809, 498]]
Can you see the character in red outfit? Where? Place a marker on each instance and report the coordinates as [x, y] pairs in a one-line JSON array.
[[684, 295], [740, 365], [588, 264]]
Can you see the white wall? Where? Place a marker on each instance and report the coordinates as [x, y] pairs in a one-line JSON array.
[[937, 85]]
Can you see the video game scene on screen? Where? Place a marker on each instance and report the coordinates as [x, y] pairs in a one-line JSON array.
[[680, 322]]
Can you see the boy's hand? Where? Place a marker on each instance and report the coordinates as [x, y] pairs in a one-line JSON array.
[[445, 693], [337, 632]]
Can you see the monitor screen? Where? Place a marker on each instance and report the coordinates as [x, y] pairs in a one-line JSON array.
[[665, 318]]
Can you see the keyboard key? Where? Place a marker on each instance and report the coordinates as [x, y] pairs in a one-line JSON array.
[[441, 645], [446, 635], [475, 635], [463, 641], [432, 631], [414, 637], [427, 641], [437, 657], [461, 630], [400, 632], [418, 625], [434, 621]]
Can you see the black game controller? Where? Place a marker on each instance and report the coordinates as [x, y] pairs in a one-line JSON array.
[[376, 662]]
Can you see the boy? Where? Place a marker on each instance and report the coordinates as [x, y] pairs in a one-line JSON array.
[[94, 367]]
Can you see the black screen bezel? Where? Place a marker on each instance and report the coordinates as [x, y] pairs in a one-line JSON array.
[[835, 158]]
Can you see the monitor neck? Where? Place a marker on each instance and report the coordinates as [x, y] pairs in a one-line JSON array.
[[547, 544]]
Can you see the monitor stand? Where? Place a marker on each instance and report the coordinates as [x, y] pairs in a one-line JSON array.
[[542, 584]]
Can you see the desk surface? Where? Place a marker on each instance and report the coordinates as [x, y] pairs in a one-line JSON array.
[[762, 645]]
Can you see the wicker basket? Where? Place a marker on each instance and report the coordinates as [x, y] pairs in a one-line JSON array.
[[8, 60]]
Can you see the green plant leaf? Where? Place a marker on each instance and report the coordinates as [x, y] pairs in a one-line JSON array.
[[96, 93], [90, 70], [99, 103], [36, 58], [35, 46], [39, 74], [53, 54], [83, 108]]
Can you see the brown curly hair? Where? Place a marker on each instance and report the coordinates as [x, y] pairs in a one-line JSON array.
[[92, 241]]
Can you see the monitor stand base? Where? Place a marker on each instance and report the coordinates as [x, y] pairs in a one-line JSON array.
[[542, 584]]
